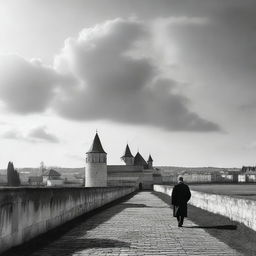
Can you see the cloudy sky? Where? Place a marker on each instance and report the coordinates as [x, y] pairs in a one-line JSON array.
[[172, 78]]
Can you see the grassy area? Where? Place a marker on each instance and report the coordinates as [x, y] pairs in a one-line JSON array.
[[246, 191], [234, 234]]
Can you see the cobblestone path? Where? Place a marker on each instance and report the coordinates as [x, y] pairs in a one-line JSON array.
[[142, 225]]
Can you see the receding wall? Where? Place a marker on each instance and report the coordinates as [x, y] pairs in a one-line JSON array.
[[27, 212], [124, 168], [241, 210]]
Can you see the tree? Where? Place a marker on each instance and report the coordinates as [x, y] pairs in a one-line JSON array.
[[13, 177]]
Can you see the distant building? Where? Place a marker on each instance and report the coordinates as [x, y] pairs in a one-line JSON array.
[[35, 180], [246, 169], [135, 172], [138, 160], [52, 178], [242, 178], [251, 177], [248, 174]]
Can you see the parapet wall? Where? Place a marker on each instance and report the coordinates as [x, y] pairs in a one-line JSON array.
[[241, 210], [28, 212]]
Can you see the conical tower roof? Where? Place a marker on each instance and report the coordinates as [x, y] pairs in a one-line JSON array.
[[139, 160], [150, 158], [127, 152], [96, 145]]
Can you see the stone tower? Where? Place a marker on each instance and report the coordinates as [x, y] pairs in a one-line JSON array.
[[128, 157], [150, 162], [96, 165]]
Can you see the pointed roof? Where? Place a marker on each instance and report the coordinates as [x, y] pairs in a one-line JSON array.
[[139, 160], [127, 152], [150, 158], [96, 145], [51, 172]]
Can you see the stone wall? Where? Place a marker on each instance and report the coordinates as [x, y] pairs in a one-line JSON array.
[[28, 212], [124, 168], [147, 179], [241, 210]]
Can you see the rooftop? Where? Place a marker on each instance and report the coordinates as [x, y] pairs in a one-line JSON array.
[[96, 146], [127, 152], [139, 160], [51, 172], [150, 159]]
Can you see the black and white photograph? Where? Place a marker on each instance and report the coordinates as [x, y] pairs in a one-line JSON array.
[[128, 127]]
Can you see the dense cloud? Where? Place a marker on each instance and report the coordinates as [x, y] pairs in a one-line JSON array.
[[118, 85], [25, 86], [101, 75]]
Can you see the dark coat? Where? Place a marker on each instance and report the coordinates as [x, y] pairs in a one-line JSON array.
[[180, 196]]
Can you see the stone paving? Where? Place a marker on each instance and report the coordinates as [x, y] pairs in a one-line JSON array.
[[142, 225]]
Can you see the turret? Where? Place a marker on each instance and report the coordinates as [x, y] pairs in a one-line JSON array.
[[96, 165], [150, 162], [128, 157]]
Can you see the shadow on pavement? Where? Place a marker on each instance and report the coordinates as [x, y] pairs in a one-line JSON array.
[[83, 244], [78, 246], [129, 205], [227, 227]]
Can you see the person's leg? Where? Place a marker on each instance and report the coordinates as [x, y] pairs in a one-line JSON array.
[[181, 220]]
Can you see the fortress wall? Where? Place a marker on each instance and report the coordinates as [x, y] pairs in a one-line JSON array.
[[147, 180], [28, 212], [241, 210], [124, 168]]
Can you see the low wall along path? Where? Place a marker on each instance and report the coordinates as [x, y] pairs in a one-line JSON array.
[[241, 210], [28, 212]]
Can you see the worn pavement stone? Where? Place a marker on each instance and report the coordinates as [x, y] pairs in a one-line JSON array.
[[141, 226]]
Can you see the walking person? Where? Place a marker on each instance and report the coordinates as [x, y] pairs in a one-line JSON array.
[[180, 197]]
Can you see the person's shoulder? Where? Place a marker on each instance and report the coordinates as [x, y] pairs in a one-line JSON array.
[[184, 185], [178, 186], [175, 186]]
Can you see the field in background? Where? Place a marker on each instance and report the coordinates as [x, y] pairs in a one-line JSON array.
[[246, 191]]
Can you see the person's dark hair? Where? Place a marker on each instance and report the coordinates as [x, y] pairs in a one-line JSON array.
[[180, 178]]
